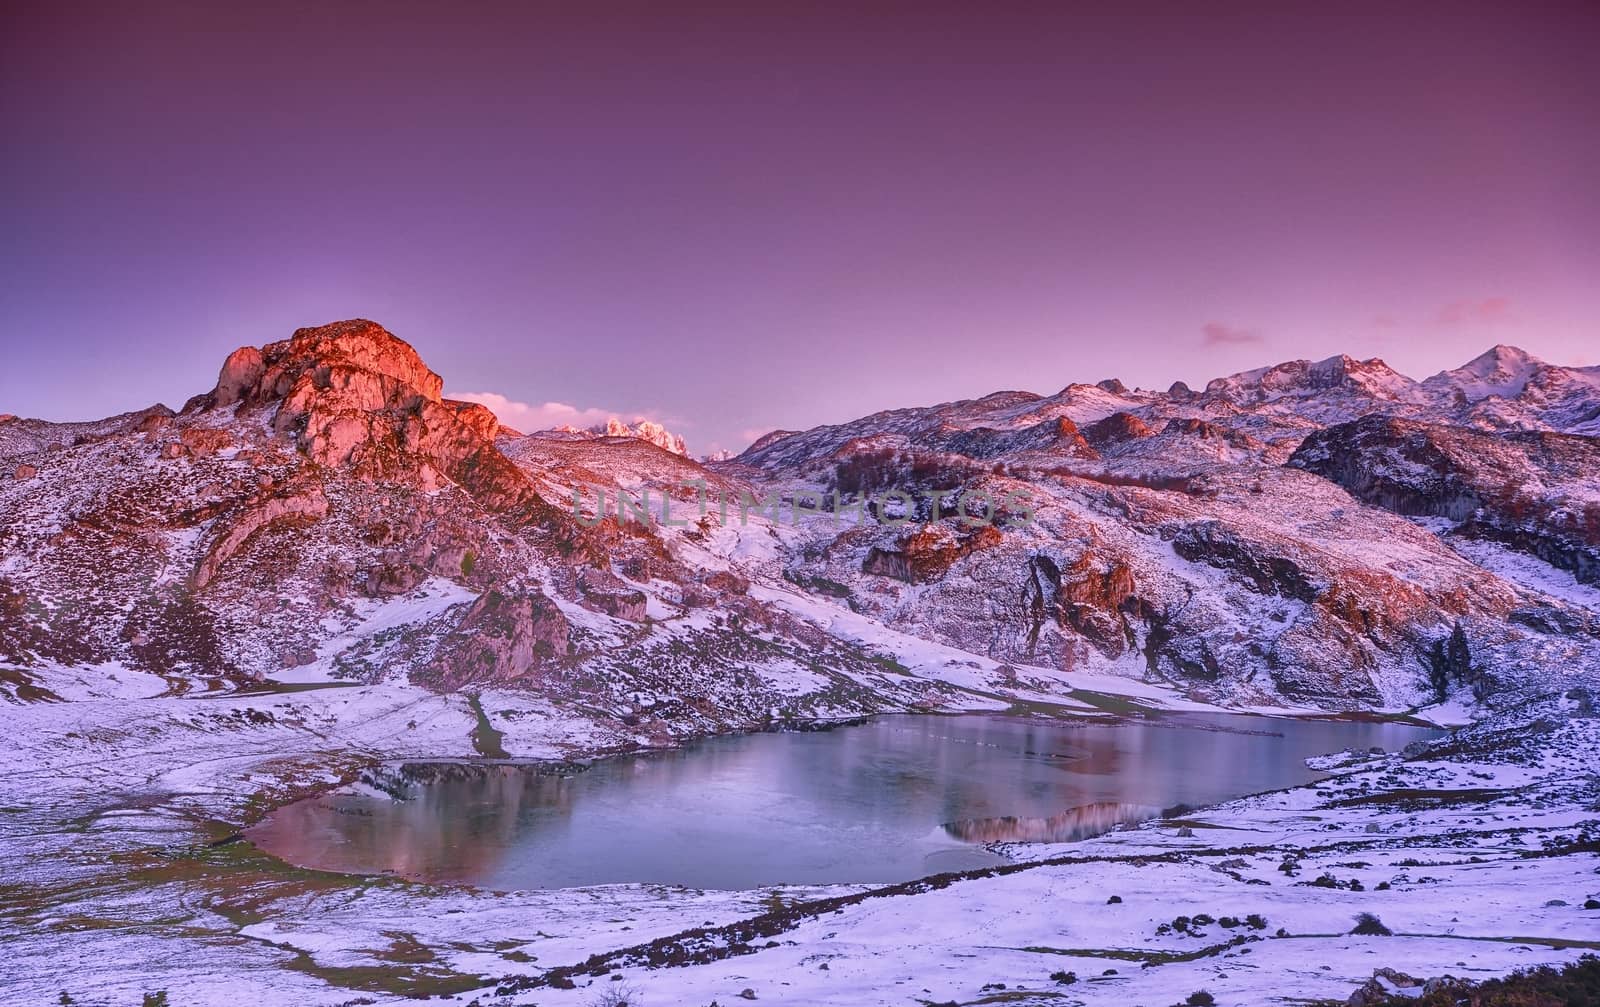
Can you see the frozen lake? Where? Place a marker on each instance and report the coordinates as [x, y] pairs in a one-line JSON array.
[[890, 800]]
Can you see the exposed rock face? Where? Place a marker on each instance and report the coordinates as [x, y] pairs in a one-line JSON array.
[[1059, 436], [24, 471], [604, 592], [644, 430], [504, 638], [1397, 464], [925, 554], [241, 375], [356, 356], [1092, 596], [351, 394], [199, 442], [291, 507], [1527, 489], [1117, 427], [1209, 542], [393, 578]]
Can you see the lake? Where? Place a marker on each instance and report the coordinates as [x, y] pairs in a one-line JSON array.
[[896, 798]]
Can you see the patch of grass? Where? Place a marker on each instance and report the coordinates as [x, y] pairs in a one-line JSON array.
[[1417, 798], [488, 741]]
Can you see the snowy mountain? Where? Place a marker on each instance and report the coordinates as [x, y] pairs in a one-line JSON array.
[[323, 575], [644, 430], [1507, 388], [324, 512]]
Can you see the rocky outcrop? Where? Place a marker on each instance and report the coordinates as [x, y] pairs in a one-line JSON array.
[[1395, 464], [926, 554], [509, 638], [241, 375], [391, 578], [1091, 596], [294, 506], [643, 430], [1510, 488], [353, 396], [1115, 429], [1211, 543], [605, 592]]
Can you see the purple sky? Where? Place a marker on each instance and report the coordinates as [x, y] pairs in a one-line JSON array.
[[735, 219]]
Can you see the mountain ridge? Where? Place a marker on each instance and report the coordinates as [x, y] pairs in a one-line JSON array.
[[1192, 539]]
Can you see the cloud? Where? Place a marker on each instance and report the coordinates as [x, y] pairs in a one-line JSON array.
[[1489, 309], [527, 417], [1218, 334]]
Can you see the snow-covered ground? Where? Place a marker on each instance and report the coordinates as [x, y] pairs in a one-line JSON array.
[[111, 807]]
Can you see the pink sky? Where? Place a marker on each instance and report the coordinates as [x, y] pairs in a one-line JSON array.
[[733, 218]]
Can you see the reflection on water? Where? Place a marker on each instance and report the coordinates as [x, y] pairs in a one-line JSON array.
[[890, 800], [1072, 824]]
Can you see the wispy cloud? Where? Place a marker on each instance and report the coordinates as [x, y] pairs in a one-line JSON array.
[[526, 416], [1488, 309], [1218, 334]]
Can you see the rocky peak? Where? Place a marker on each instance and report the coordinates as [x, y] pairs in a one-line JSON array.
[[645, 430], [357, 355], [1300, 378], [352, 395], [770, 438]]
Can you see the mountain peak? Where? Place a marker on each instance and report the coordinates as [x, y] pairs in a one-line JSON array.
[[643, 430], [1500, 356], [1301, 378], [330, 354], [1501, 370]]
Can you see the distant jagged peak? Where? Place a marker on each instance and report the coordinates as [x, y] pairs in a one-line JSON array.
[[1108, 388], [1307, 377], [641, 429]]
